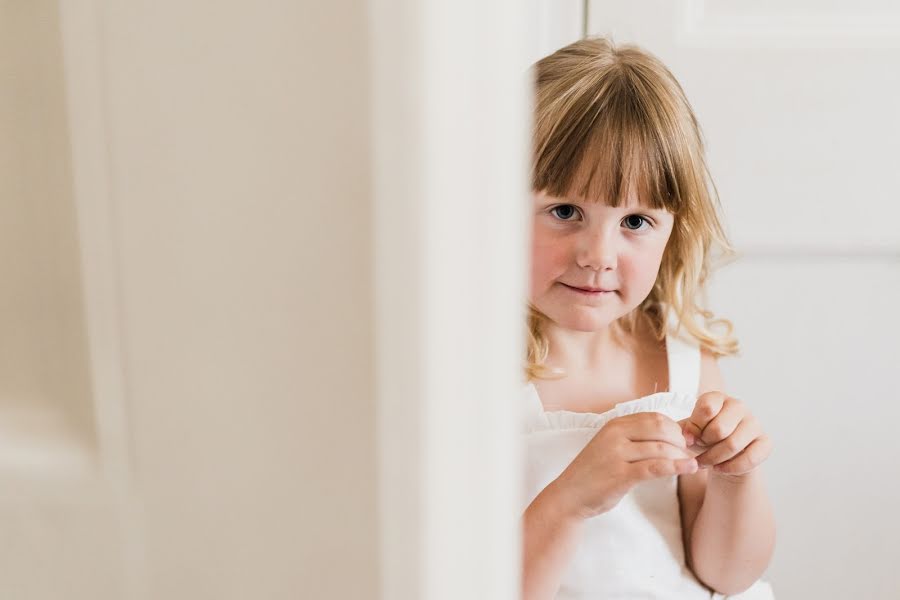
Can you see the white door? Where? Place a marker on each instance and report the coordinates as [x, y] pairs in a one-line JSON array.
[[798, 103]]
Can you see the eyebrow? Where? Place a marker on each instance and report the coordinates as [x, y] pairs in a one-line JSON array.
[[641, 207]]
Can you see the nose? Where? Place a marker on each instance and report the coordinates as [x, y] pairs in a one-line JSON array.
[[597, 249]]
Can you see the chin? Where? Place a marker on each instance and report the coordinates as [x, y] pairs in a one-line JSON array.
[[584, 322]]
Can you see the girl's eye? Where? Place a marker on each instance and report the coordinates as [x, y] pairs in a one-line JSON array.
[[633, 222], [564, 208], [640, 220]]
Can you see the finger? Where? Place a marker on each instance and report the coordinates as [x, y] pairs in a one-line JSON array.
[[652, 426], [637, 451], [706, 408], [690, 431], [724, 423], [747, 460], [746, 431], [654, 468]]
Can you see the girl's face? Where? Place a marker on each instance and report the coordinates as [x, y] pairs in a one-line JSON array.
[[591, 245]]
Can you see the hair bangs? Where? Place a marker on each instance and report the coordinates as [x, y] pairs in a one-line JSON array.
[[608, 153]]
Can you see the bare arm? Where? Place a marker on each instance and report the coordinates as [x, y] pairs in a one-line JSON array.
[[733, 537], [550, 537], [729, 526]]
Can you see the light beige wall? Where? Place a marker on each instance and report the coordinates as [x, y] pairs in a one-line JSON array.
[[239, 137], [220, 188], [44, 387]]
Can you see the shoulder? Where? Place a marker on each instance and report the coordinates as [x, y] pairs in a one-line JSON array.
[[710, 375]]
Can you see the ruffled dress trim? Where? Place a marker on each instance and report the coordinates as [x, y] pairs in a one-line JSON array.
[[676, 405]]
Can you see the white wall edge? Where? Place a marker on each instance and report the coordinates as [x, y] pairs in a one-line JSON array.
[[450, 132]]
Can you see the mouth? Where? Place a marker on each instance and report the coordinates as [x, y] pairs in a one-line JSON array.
[[590, 291]]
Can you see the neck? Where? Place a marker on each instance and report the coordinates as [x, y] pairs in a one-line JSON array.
[[588, 351]]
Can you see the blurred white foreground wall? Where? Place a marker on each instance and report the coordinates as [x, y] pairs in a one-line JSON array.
[[261, 270]]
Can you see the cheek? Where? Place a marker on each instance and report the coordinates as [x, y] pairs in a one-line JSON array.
[[549, 258], [645, 264]]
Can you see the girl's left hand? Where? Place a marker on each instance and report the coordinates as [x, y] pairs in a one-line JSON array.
[[727, 437]]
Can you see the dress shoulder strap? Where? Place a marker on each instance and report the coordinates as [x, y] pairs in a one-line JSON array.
[[535, 418], [684, 362]]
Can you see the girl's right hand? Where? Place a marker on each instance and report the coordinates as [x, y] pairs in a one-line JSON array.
[[624, 452]]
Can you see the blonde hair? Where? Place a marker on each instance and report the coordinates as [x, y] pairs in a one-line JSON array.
[[609, 116]]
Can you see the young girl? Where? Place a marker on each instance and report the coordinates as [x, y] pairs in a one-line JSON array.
[[643, 476]]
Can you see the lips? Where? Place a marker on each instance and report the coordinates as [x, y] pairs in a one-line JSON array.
[[588, 289]]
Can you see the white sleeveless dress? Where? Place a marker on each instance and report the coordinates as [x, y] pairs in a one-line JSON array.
[[634, 550]]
